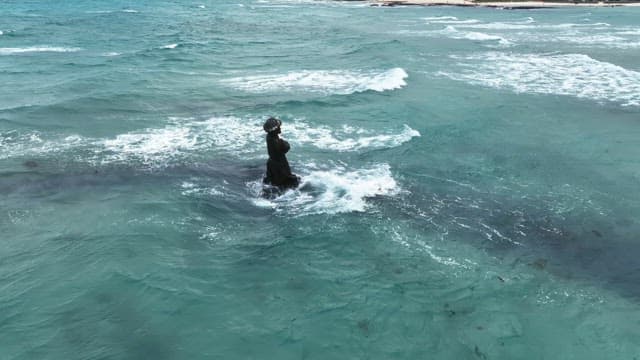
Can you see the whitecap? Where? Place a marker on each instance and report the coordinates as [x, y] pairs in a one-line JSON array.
[[151, 145], [193, 189], [629, 32], [575, 75], [453, 21], [332, 191], [185, 138], [324, 137], [439, 18], [601, 39], [12, 51], [170, 46], [326, 82], [499, 26], [15, 144], [131, 11], [472, 35]]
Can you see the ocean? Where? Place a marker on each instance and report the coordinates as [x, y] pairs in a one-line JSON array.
[[469, 181]]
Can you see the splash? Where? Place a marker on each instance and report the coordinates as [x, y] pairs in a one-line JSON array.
[[332, 191]]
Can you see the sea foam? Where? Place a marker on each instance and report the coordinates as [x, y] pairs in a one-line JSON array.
[[325, 82], [332, 191], [347, 138], [571, 74], [184, 138], [454, 33], [449, 20], [31, 49]]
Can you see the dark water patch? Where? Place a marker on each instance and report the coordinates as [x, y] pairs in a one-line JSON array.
[[108, 323], [581, 245], [41, 180], [30, 164]]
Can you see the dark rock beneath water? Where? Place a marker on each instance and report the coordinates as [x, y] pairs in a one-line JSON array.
[[30, 164], [539, 264]]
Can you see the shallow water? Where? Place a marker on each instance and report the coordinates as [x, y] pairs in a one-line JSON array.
[[469, 181]]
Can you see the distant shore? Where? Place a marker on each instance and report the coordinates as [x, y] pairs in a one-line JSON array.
[[502, 4]]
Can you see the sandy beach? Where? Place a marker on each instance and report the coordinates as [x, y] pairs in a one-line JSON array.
[[499, 4]]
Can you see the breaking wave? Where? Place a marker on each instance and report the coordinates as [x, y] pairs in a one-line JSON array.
[[571, 74], [183, 138], [32, 49], [326, 82]]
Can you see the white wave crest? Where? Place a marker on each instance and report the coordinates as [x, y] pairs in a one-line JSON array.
[[629, 32], [454, 33], [12, 51], [14, 144], [170, 46], [332, 191], [343, 139], [193, 189], [150, 145], [324, 82], [440, 18], [187, 138], [572, 74], [448, 20]]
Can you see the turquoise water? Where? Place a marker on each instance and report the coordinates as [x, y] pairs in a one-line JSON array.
[[469, 181]]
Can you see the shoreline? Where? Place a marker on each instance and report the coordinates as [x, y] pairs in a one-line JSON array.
[[501, 4]]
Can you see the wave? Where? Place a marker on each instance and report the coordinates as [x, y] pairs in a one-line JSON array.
[[528, 24], [170, 46], [602, 39], [448, 20], [472, 35], [579, 34], [439, 18], [190, 188], [629, 32], [15, 144], [12, 51], [330, 82], [475, 23], [575, 75], [331, 191], [342, 139], [453, 33], [130, 11], [241, 136], [184, 138]]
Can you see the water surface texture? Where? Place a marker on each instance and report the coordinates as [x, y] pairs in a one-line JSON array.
[[470, 181]]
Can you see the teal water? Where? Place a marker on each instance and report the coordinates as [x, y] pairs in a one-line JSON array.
[[469, 181]]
